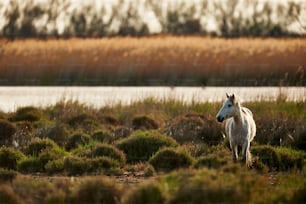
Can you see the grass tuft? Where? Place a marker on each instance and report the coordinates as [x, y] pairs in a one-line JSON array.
[[141, 145], [168, 159]]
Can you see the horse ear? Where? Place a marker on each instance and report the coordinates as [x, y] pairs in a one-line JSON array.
[[232, 98], [227, 95]]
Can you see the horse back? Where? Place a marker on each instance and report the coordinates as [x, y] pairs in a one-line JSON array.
[[251, 122]]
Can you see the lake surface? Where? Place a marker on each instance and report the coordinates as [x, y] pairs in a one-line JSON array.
[[13, 97]]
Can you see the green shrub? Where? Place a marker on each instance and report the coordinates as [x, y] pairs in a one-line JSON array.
[[55, 166], [168, 159], [30, 165], [149, 171], [278, 129], [37, 145], [49, 155], [279, 158], [78, 165], [211, 161], [9, 157], [59, 134], [24, 133], [103, 165], [299, 196], [144, 122], [300, 141], [104, 136], [109, 151], [149, 193], [122, 132], [77, 139], [8, 196], [7, 130], [142, 144], [211, 186], [37, 163], [195, 128], [84, 121], [27, 114], [97, 190], [36, 190], [290, 158], [109, 119], [7, 175]]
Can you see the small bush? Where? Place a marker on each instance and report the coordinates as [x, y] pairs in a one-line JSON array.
[[35, 190], [77, 139], [37, 145], [30, 165], [195, 128], [8, 196], [144, 123], [149, 193], [84, 121], [29, 113], [290, 158], [97, 190], [268, 156], [9, 158], [7, 175], [168, 159], [141, 145], [55, 166], [211, 161], [59, 134], [103, 164], [300, 141], [37, 163], [109, 119], [104, 136], [23, 135], [50, 155], [78, 166], [210, 186], [149, 171], [7, 130], [122, 132], [279, 158], [299, 196], [109, 151]]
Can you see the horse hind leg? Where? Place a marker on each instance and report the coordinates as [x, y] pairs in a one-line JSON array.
[[246, 154], [249, 158]]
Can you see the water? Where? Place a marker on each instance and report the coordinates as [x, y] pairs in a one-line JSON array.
[[13, 97]]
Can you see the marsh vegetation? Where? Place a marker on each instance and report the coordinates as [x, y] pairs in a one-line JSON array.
[[163, 151]]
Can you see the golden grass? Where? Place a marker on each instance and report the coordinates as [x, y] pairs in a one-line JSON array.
[[161, 58]]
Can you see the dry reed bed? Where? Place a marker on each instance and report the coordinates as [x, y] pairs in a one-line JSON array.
[[162, 58]]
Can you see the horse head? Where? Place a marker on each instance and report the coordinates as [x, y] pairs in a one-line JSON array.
[[228, 109]]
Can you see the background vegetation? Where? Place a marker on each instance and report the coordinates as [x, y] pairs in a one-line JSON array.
[[162, 60], [123, 17], [167, 162]]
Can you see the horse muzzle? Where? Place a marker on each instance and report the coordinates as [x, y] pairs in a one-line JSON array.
[[220, 119]]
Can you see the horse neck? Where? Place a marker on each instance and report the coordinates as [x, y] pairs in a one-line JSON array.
[[238, 116]]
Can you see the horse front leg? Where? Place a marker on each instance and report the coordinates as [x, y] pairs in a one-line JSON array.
[[234, 148]]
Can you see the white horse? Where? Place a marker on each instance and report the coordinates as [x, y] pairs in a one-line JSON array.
[[239, 127]]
